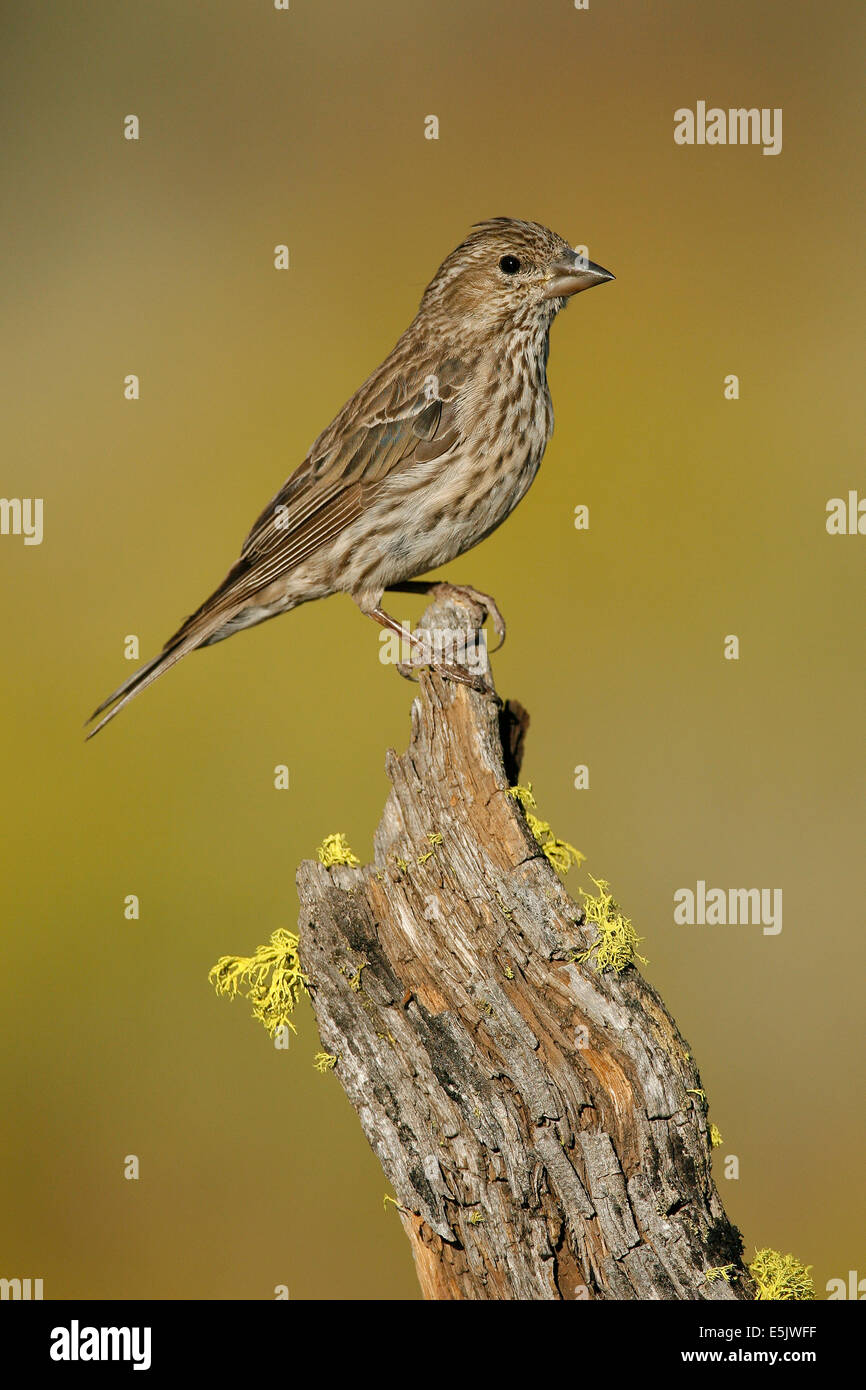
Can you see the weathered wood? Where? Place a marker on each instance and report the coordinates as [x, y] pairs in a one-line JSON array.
[[443, 977]]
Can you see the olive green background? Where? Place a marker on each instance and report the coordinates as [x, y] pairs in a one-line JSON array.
[[707, 518]]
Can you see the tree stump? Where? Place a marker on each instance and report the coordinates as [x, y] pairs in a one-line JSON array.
[[540, 1122]]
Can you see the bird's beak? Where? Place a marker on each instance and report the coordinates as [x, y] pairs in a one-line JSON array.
[[572, 273]]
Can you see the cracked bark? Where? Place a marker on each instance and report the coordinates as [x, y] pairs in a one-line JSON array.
[[526, 1165]]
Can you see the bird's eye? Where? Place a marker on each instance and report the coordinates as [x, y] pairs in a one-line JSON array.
[[510, 265]]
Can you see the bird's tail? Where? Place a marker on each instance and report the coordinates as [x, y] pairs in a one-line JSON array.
[[207, 624], [228, 610], [140, 679]]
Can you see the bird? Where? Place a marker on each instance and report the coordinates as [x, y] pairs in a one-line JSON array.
[[428, 457]]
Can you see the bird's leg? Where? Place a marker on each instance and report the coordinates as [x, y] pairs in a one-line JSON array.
[[442, 588], [385, 620], [454, 673]]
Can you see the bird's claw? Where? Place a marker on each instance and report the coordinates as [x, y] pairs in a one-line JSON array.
[[451, 673], [459, 674], [484, 601], [463, 677]]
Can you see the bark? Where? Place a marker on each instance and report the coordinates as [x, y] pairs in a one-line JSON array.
[[532, 1115]]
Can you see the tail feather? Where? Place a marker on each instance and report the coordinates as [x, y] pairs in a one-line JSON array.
[[224, 613], [140, 680], [122, 689], [196, 631]]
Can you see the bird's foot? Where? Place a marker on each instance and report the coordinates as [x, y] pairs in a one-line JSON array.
[[409, 673], [422, 646], [444, 589], [462, 676], [450, 672]]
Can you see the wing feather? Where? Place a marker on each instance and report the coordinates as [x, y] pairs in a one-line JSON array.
[[397, 423], [344, 466]]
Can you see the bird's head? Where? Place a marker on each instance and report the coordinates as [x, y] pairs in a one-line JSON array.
[[509, 273]]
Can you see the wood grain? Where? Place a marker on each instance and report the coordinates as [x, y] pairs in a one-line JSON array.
[[526, 1166]]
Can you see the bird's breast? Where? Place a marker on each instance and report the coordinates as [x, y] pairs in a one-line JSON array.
[[427, 514]]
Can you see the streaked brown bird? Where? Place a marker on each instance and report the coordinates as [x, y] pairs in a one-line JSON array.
[[428, 457]]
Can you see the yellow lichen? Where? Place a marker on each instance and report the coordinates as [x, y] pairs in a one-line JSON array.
[[274, 979], [476, 1219], [715, 1136], [701, 1095], [615, 947], [725, 1272], [780, 1277], [524, 796], [560, 853], [335, 850], [324, 1061], [353, 975]]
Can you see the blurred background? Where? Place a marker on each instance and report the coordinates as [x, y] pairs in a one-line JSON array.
[[707, 518]]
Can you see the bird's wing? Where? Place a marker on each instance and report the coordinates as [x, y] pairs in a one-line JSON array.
[[393, 425], [397, 419]]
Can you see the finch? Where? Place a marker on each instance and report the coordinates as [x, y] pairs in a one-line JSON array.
[[430, 455]]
